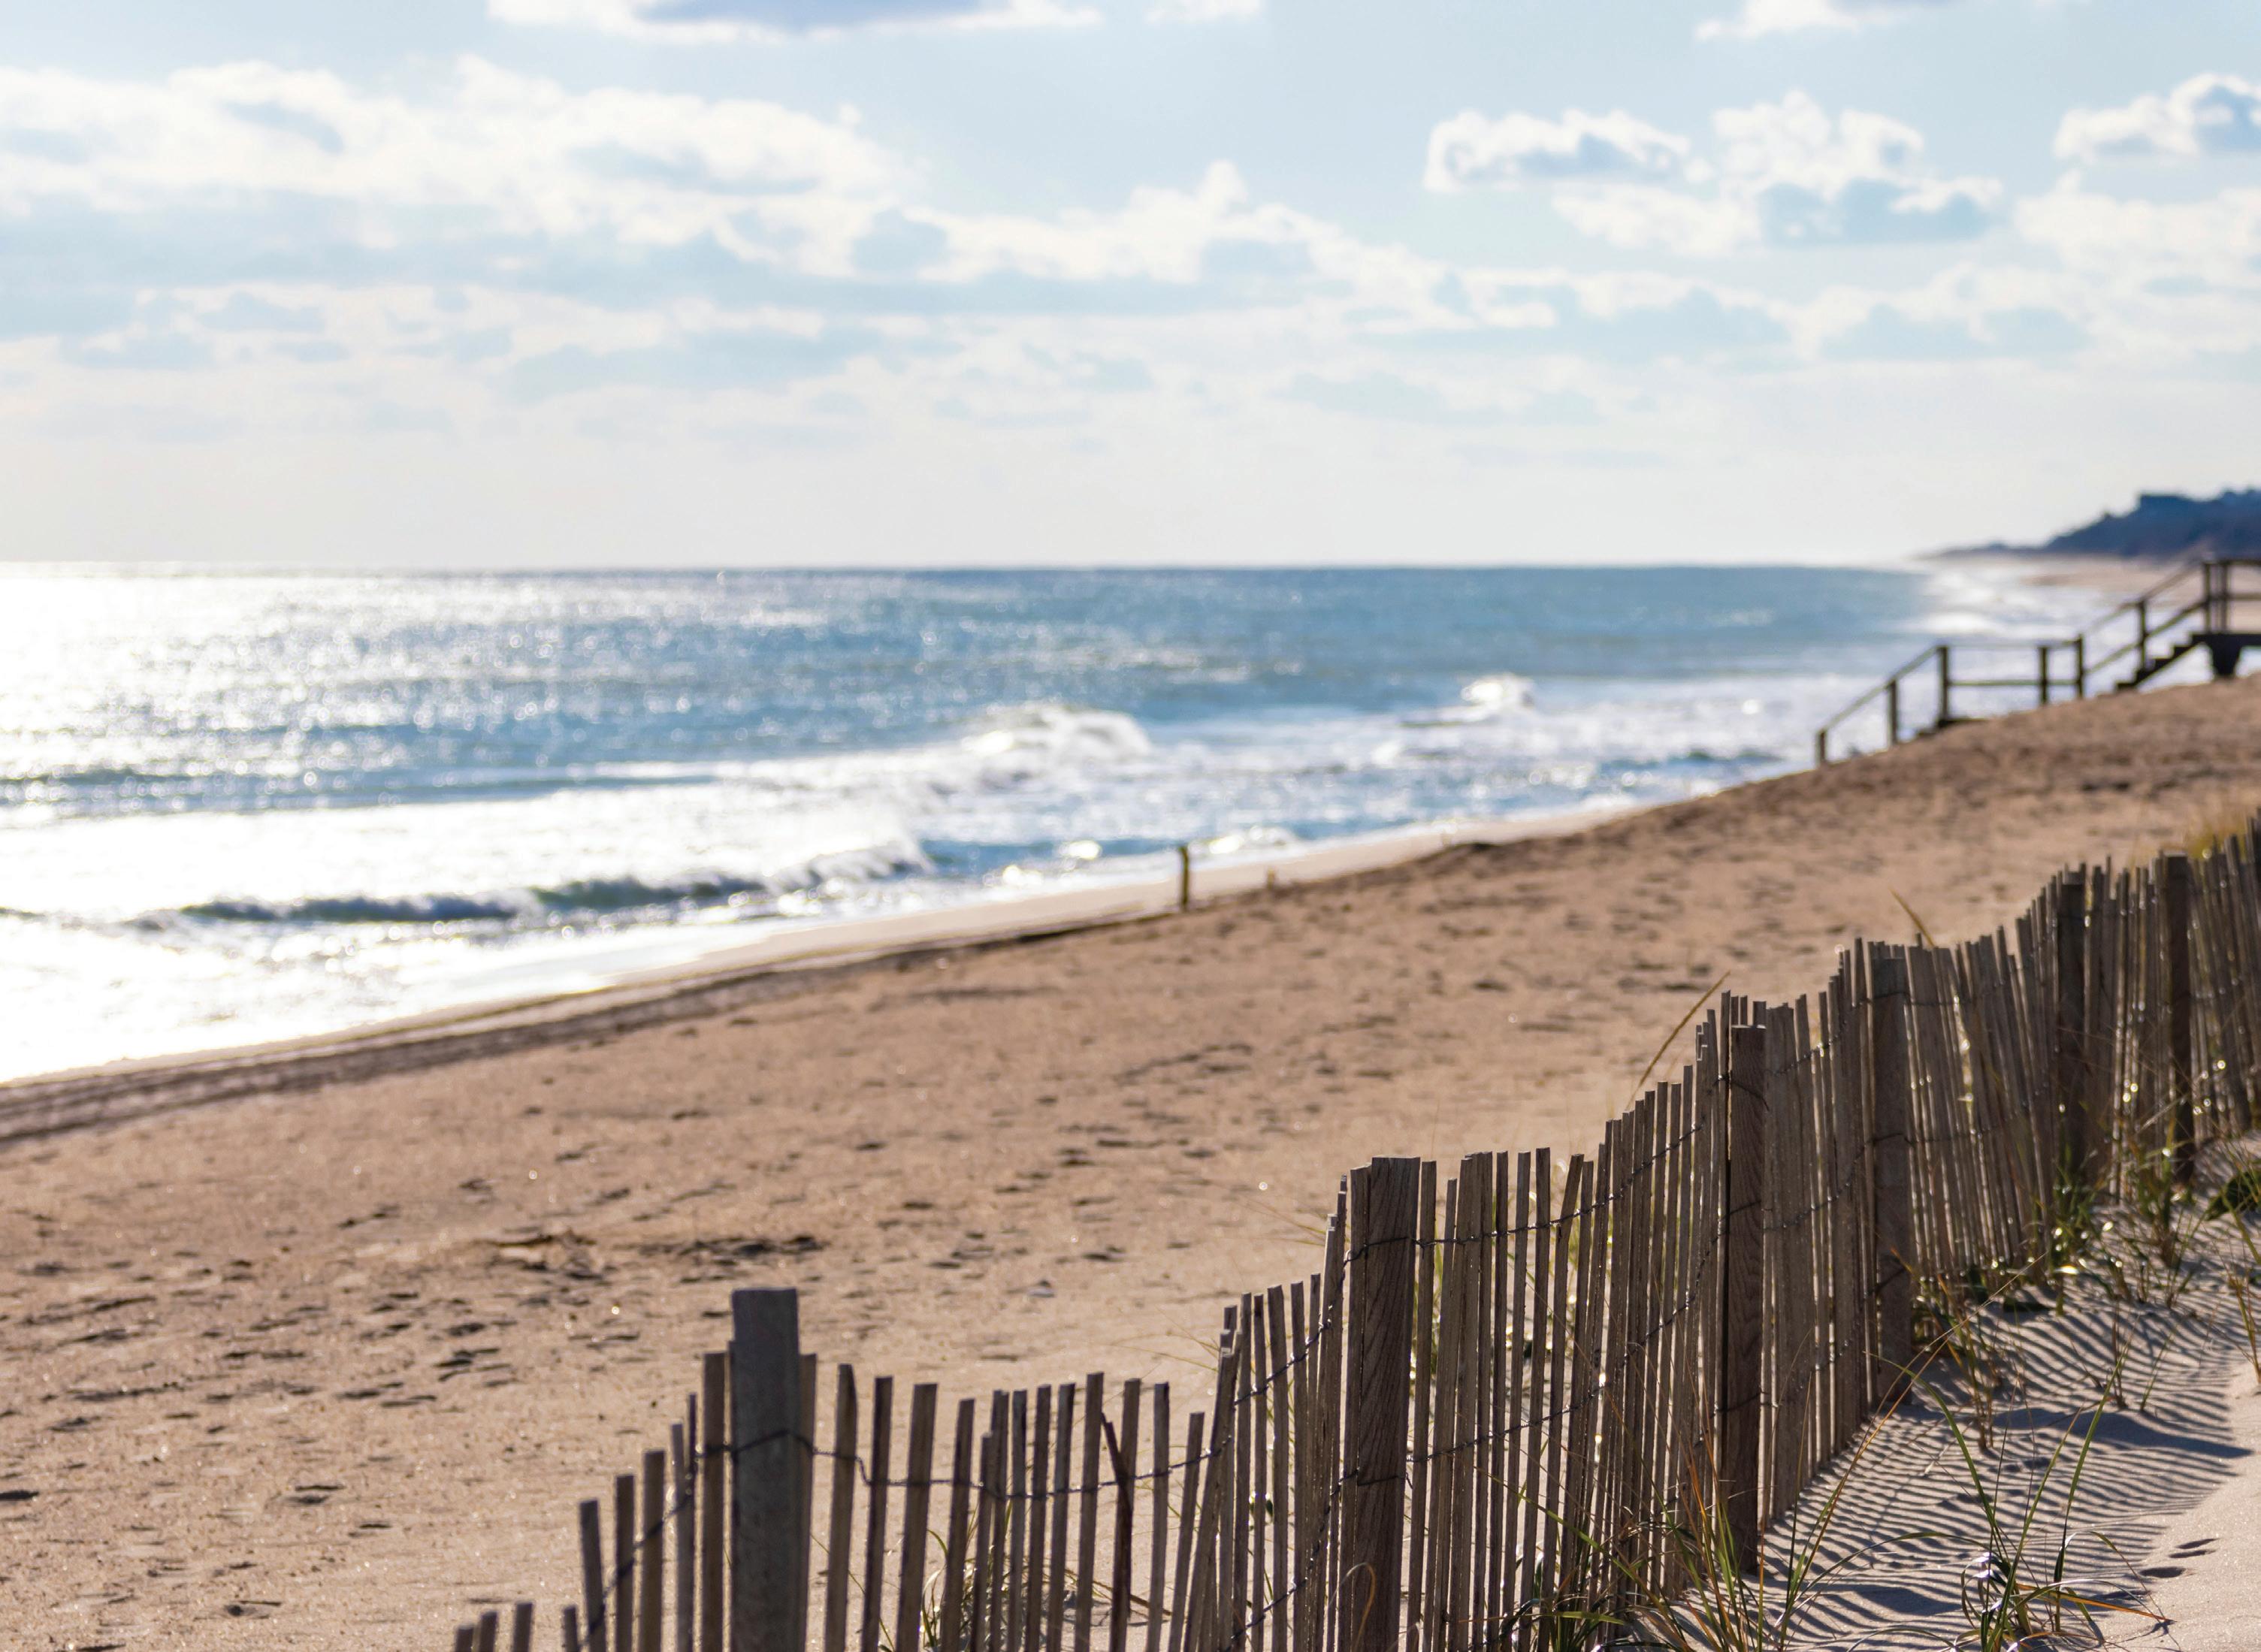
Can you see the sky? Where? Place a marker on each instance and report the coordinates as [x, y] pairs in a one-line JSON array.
[[826, 282]]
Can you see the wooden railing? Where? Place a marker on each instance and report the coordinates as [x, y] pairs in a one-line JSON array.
[[2198, 602]]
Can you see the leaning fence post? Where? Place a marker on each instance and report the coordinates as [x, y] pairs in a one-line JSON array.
[[593, 1574], [1743, 1281], [768, 1597], [2177, 890], [1384, 1199], [2069, 1074], [1894, 1212]]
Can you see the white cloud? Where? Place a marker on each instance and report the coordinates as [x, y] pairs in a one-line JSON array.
[[1785, 16], [1640, 218], [2208, 114], [1158, 234], [2216, 241], [1966, 312], [1791, 175], [646, 167], [1472, 150], [1204, 10], [703, 22], [496, 178]]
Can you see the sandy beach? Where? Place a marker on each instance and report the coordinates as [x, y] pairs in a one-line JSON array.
[[323, 1364]]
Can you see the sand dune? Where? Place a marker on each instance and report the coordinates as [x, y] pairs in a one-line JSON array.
[[321, 1364]]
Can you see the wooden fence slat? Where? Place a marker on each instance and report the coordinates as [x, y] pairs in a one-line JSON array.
[[1181, 1578], [1305, 1482], [1499, 1359], [1276, 1325], [2082, 1148], [1157, 1532], [1338, 1493], [840, 1537], [1259, 1474], [592, 1573], [1514, 1543], [651, 1547], [683, 1444], [1086, 1548], [979, 1587], [1055, 1614], [626, 1539], [918, 1483], [1555, 1506], [1236, 1532], [1895, 1282], [993, 1584], [1744, 1284], [1123, 1455], [1465, 1305], [2176, 903], [955, 1557], [1540, 1395], [875, 1577], [1012, 1588], [1591, 1216], [714, 1370]]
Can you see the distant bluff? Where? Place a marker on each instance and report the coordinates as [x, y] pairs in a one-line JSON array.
[[2163, 528]]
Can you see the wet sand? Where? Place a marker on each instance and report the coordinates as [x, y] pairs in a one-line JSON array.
[[320, 1366]]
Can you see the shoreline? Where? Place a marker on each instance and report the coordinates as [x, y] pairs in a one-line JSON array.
[[2110, 577], [983, 917], [684, 959], [41, 1103]]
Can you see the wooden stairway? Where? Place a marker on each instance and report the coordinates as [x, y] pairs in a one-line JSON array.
[[2200, 605]]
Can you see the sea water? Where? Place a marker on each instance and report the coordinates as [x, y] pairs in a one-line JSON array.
[[244, 806]]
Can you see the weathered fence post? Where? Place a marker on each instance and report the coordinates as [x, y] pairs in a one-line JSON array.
[[2176, 890], [593, 1574], [2069, 1082], [768, 1597], [1744, 1282], [1894, 1207], [1385, 1198]]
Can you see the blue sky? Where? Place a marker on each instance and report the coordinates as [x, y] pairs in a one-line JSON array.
[[826, 282]]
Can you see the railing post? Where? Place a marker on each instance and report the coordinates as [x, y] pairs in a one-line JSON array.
[[2042, 653], [1743, 1281], [2081, 668], [1385, 1197], [769, 1594], [1946, 687], [2175, 891], [1821, 748], [1892, 712], [2142, 635]]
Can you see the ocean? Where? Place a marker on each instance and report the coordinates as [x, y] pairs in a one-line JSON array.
[[242, 806]]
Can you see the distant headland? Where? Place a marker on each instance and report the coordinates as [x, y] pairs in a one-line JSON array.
[[2164, 527]]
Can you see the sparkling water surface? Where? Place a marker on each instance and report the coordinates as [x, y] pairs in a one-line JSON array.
[[242, 806]]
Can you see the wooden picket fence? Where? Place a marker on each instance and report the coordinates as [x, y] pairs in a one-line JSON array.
[[1509, 1384]]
